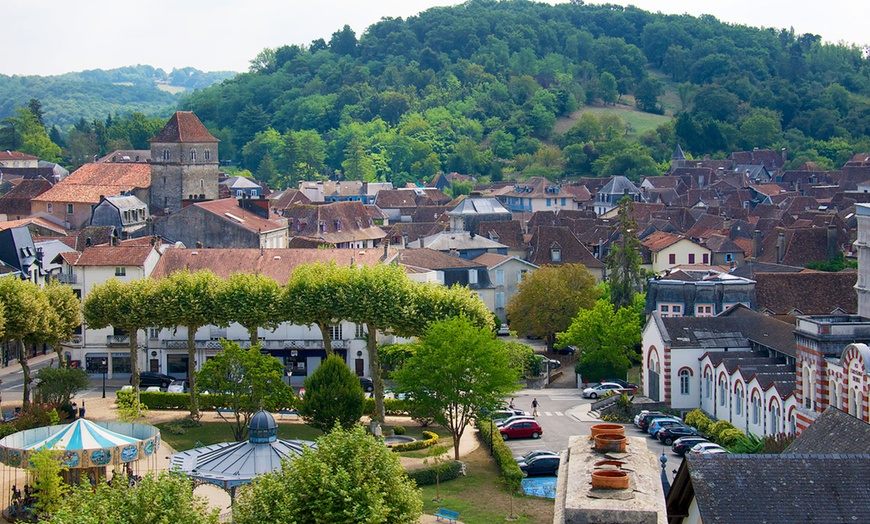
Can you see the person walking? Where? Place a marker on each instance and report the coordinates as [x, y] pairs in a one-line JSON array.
[[512, 403], [535, 407]]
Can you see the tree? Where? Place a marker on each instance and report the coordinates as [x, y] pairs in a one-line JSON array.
[[246, 381], [348, 478], [27, 314], [647, 94], [458, 371], [313, 296], [252, 300], [623, 261], [48, 485], [333, 396], [605, 338], [548, 299], [191, 300], [68, 310], [609, 91], [164, 497], [128, 306], [56, 386]]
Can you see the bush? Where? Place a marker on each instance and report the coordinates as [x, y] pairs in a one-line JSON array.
[[729, 436], [502, 454], [429, 439], [698, 419], [399, 430], [392, 406], [715, 430], [426, 476]]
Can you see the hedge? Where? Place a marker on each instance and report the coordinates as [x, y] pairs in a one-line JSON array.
[[430, 440], [179, 401], [392, 406], [502, 454], [426, 476]]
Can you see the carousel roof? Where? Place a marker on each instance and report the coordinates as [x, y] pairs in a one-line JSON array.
[[82, 434]]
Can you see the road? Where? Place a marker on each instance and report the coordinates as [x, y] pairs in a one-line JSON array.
[[563, 413]]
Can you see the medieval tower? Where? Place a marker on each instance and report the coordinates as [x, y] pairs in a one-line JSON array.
[[184, 164]]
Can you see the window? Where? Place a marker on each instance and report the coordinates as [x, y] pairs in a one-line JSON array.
[[706, 258], [49, 207], [472, 276], [723, 391], [207, 155], [672, 258], [120, 271], [774, 419], [563, 202], [729, 257], [685, 377], [201, 183], [756, 409], [499, 277], [703, 310], [335, 332], [165, 154], [323, 226], [69, 209], [360, 331], [520, 273], [691, 258], [193, 155], [254, 193], [738, 401], [677, 309], [499, 300], [708, 385], [556, 255], [239, 193], [664, 308], [548, 202]]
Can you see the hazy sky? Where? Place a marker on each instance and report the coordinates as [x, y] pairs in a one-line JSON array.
[[46, 37]]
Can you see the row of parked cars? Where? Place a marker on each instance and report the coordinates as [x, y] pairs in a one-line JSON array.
[[607, 385], [671, 431]]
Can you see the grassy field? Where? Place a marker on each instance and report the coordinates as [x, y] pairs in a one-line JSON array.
[[640, 122], [480, 499]]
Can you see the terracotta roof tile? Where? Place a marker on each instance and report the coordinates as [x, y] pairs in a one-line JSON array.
[[15, 155], [184, 126], [229, 209], [798, 293], [87, 183], [660, 240], [38, 221], [110, 256]]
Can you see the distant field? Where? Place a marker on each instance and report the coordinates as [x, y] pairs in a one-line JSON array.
[[639, 121], [171, 89]]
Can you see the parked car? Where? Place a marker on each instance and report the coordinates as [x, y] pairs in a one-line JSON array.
[[553, 363], [535, 453], [149, 378], [667, 436], [510, 420], [645, 420], [540, 465], [367, 384], [684, 444], [643, 413], [521, 429], [502, 414], [658, 425], [503, 331], [178, 386], [601, 389], [623, 383], [707, 448], [566, 350]]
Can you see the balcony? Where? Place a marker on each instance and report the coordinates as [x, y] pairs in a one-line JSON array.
[[266, 344], [67, 278], [76, 340], [118, 341]]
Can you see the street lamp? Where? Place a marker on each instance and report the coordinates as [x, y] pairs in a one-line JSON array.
[[105, 368]]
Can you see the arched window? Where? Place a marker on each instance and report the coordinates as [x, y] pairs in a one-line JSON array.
[[738, 399], [166, 154], [207, 155], [723, 391], [775, 414], [807, 386], [708, 384], [685, 382], [193, 155], [756, 408]]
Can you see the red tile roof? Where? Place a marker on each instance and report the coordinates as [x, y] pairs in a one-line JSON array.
[[660, 240], [91, 181], [15, 155], [184, 126], [41, 222], [229, 209], [109, 256]]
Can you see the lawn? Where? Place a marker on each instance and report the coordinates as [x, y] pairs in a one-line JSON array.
[[215, 432], [480, 499]]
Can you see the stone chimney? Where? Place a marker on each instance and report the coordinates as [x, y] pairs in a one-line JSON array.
[[780, 248], [832, 242], [756, 244]]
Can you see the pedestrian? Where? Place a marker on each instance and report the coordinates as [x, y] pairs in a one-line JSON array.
[[75, 410], [82, 410], [534, 407], [512, 403]]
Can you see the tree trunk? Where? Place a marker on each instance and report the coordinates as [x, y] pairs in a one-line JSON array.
[[191, 371], [25, 368], [327, 342], [134, 364], [375, 366], [59, 350], [255, 338]]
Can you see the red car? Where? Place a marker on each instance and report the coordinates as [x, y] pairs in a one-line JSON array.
[[521, 429]]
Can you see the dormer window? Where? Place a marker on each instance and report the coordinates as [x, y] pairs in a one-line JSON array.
[[322, 226], [338, 224], [555, 254]]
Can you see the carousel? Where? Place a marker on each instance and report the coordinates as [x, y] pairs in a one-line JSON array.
[[88, 449], [229, 465]]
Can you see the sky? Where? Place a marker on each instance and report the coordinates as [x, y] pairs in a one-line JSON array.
[[48, 37]]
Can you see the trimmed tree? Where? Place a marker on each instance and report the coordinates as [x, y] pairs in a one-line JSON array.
[[314, 296], [27, 314], [349, 478], [253, 300], [459, 370], [68, 311], [333, 396]]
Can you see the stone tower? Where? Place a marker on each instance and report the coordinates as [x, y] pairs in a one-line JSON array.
[[184, 164]]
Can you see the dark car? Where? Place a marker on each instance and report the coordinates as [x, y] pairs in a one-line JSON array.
[[645, 420], [667, 436], [529, 455], [149, 378], [521, 429], [623, 383], [540, 465], [567, 350], [684, 444], [367, 384]]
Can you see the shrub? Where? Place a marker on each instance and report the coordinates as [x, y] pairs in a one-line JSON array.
[[430, 439], [502, 454], [747, 444], [426, 476], [392, 406], [698, 419], [399, 430], [715, 430], [729, 436]]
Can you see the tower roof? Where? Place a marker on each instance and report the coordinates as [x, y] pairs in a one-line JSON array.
[[184, 126], [678, 153]]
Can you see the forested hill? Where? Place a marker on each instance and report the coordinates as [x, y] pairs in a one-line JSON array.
[[97, 93]]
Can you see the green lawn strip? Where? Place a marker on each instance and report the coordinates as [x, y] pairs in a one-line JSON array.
[[216, 432], [480, 499]]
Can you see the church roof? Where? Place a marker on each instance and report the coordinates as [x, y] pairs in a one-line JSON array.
[[184, 126]]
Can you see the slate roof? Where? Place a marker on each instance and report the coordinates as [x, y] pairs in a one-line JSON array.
[[573, 251], [833, 432], [432, 259], [184, 126], [334, 223], [508, 232], [459, 240], [430, 214], [619, 185], [783, 293], [479, 206], [17, 200], [721, 244], [275, 263], [801, 246], [785, 488], [413, 231], [87, 183], [769, 158], [289, 197]]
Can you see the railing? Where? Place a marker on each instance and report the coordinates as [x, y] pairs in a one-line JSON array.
[[67, 278], [267, 344], [76, 340], [117, 340]]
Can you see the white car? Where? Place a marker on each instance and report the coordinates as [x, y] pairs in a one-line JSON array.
[[600, 390], [511, 420], [707, 448], [177, 386], [503, 331]]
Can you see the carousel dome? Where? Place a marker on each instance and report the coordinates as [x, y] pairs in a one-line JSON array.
[[262, 428]]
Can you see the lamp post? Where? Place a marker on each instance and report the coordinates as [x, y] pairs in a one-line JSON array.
[[105, 367]]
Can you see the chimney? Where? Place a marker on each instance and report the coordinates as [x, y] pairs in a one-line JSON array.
[[259, 207], [756, 244], [784, 156], [780, 248], [198, 244], [386, 250], [832, 242]]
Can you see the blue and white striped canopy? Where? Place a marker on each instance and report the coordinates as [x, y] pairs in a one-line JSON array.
[[80, 435]]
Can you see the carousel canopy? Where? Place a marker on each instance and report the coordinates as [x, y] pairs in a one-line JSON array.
[[82, 434]]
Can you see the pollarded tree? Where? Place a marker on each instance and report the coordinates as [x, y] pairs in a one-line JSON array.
[[247, 381], [68, 309], [314, 295], [333, 396], [432, 303], [623, 262], [27, 314], [348, 478], [128, 306], [252, 300], [458, 371], [191, 300], [548, 299]]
